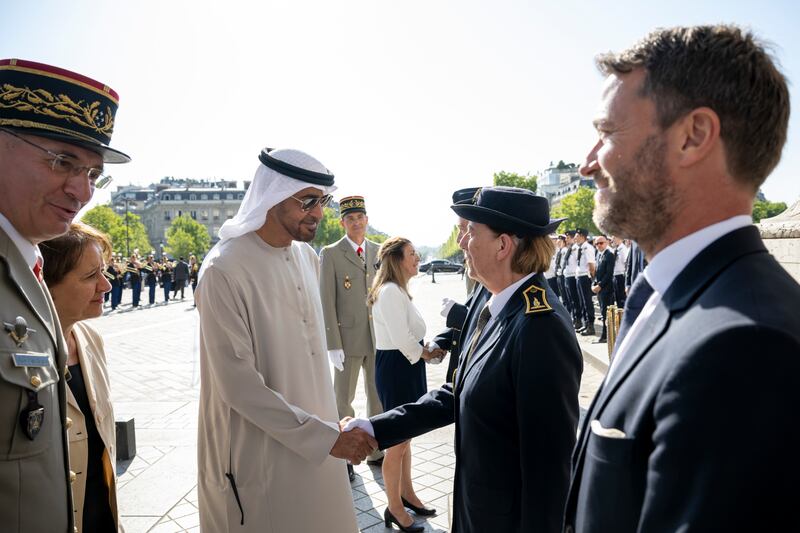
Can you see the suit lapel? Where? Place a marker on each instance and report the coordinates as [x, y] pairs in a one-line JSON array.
[[26, 283], [485, 345], [349, 253]]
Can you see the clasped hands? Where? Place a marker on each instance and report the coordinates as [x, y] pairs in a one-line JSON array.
[[354, 445], [432, 353]]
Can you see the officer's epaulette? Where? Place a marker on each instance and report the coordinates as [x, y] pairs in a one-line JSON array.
[[535, 300]]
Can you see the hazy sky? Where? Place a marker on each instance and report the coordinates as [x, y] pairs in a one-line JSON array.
[[403, 101]]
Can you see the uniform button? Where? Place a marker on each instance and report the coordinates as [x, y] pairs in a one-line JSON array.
[[69, 422], [72, 476], [454, 343], [36, 381]]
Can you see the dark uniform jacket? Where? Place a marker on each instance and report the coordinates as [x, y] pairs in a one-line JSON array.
[[515, 405], [460, 324], [35, 495], [697, 428]]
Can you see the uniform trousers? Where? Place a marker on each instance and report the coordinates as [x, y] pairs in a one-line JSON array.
[[151, 293], [136, 287], [344, 385], [619, 290], [584, 286], [572, 291], [562, 289], [554, 285], [167, 287]]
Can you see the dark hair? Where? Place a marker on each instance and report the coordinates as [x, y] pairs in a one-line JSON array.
[[725, 69], [62, 254]]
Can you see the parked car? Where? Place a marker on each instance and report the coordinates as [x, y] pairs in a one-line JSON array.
[[441, 265]]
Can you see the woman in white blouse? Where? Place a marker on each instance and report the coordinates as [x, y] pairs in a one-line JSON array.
[[399, 368]]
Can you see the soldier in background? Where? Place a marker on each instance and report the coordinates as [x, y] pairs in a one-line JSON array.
[[166, 277], [347, 269], [150, 272], [132, 272]]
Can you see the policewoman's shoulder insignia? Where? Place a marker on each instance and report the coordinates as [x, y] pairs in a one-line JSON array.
[[535, 300]]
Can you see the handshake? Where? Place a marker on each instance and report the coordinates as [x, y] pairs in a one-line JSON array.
[[354, 444], [432, 353]]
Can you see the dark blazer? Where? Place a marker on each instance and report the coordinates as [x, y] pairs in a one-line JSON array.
[[460, 324], [604, 276], [515, 405], [634, 264], [706, 397]]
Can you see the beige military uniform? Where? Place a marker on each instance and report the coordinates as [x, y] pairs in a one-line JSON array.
[[344, 282], [34, 474]]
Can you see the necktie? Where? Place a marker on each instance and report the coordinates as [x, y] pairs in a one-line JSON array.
[[483, 319], [640, 293], [37, 269], [360, 253]]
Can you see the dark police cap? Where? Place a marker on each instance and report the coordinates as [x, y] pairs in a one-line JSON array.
[[51, 102], [570, 233], [352, 204], [512, 210], [582, 231], [462, 195]]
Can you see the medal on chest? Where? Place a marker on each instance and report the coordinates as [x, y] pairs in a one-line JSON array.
[[32, 417], [347, 283], [18, 331]]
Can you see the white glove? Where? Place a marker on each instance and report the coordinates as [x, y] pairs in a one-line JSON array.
[[447, 304], [432, 346], [362, 423], [337, 359]]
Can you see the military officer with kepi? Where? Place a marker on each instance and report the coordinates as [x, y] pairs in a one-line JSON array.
[[347, 268], [55, 126]]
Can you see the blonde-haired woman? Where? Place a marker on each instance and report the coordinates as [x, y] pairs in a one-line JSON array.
[[399, 368]]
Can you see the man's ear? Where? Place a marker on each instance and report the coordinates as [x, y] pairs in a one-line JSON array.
[[341, 222], [696, 135]]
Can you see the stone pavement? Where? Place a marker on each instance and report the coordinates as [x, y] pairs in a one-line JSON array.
[[155, 379]]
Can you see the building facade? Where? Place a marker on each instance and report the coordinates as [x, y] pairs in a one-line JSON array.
[[210, 203], [556, 183]]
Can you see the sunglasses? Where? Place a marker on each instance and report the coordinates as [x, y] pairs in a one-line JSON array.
[[307, 204]]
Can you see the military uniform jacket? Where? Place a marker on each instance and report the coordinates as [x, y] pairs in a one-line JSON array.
[[515, 405], [697, 427], [344, 283], [35, 495]]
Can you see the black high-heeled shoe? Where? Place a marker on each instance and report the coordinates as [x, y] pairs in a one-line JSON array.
[[389, 519], [421, 511]]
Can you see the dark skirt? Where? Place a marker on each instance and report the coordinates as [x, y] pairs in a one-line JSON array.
[[398, 381]]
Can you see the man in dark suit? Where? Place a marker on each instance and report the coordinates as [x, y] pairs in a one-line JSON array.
[[603, 285], [514, 399], [55, 127], [694, 426]]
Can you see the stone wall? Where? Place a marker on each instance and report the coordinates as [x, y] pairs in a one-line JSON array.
[[781, 235]]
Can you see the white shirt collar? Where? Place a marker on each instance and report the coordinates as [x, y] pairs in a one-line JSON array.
[[670, 261], [30, 252], [498, 301], [356, 246]]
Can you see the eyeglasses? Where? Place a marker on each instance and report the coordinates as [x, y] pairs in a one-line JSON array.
[[307, 204], [63, 165]]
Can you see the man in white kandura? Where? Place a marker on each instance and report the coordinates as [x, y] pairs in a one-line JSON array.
[[268, 421]]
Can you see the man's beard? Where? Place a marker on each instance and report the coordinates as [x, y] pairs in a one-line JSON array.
[[642, 203], [301, 232]]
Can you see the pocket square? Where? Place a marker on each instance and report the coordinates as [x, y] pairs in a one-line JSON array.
[[610, 433]]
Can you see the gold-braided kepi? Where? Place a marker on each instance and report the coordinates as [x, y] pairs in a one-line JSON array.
[[52, 102], [352, 204]]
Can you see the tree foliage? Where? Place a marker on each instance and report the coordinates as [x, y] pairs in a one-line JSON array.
[[187, 236], [766, 209], [123, 239], [510, 179], [329, 229], [577, 208], [450, 249]]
